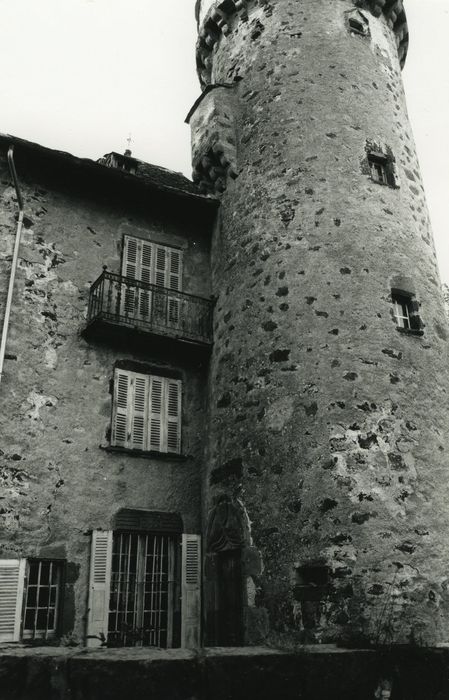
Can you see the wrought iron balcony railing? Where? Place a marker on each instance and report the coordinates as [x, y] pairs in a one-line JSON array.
[[129, 303]]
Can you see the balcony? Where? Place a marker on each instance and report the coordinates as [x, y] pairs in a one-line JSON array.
[[120, 306]]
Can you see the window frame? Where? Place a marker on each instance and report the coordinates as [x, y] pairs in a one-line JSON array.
[[149, 421], [409, 321], [47, 633], [382, 169]]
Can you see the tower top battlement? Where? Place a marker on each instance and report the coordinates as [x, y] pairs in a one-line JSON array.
[[216, 17]]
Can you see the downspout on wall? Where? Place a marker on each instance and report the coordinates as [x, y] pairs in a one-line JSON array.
[[15, 257]]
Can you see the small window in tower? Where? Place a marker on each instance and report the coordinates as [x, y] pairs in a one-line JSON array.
[[406, 312], [382, 169], [358, 23]]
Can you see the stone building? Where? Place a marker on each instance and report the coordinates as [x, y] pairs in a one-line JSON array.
[[224, 404]]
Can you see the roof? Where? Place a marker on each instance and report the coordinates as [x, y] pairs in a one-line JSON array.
[[140, 174]]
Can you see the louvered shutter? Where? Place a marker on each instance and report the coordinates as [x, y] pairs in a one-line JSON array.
[[99, 587], [146, 262], [156, 413], [191, 592], [130, 261], [139, 418], [173, 415], [122, 409], [160, 268], [12, 573], [174, 269], [131, 269]]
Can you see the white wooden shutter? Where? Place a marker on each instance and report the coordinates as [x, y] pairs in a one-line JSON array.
[[139, 418], [130, 260], [156, 413], [12, 574], [173, 414], [122, 409], [160, 268], [174, 269], [191, 592], [99, 587]]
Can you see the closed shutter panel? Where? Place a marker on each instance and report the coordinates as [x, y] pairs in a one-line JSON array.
[[191, 592], [173, 402], [174, 269], [146, 257], [174, 282], [160, 271], [99, 587], [122, 412], [12, 573], [139, 429], [156, 414]]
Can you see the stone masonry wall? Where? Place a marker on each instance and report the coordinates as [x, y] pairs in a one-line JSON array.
[[328, 426], [57, 482]]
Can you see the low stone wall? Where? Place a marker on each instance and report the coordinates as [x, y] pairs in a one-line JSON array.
[[312, 673]]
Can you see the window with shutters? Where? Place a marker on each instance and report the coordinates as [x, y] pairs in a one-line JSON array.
[[406, 312], [30, 599], [152, 263], [146, 412], [382, 168]]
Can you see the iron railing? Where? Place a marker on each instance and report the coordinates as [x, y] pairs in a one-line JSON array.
[[128, 302]]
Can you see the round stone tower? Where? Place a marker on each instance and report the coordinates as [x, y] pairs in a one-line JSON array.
[[327, 500]]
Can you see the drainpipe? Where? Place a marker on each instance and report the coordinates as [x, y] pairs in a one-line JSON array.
[[12, 170]]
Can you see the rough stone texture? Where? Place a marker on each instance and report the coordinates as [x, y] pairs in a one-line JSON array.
[[57, 482], [338, 422], [322, 673]]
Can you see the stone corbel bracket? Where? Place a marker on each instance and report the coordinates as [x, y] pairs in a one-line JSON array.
[[224, 13], [214, 150]]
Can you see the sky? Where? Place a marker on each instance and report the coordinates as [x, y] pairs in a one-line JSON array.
[[85, 75]]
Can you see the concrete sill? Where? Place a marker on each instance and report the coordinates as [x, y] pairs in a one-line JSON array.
[[152, 454]]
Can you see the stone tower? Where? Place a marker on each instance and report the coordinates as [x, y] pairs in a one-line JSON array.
[[328, 449]]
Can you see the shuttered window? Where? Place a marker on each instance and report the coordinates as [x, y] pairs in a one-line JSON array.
[[146, 412], [152, 263], [30, 592], [191, 592]]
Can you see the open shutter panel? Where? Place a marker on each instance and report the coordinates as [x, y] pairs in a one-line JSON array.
[[191, 592], [131, 262], [130, 268], [173, 399], [139, 424], [122, 413], [155, 408], [99, 587], [12, 573]]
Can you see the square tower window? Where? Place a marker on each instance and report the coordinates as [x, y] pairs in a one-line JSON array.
[[406, 312], [382, 169]]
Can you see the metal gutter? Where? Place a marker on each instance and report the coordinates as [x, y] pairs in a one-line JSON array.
[[15, 257]]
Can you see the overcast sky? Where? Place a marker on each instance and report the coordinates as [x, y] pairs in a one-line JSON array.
[[81, 75]]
